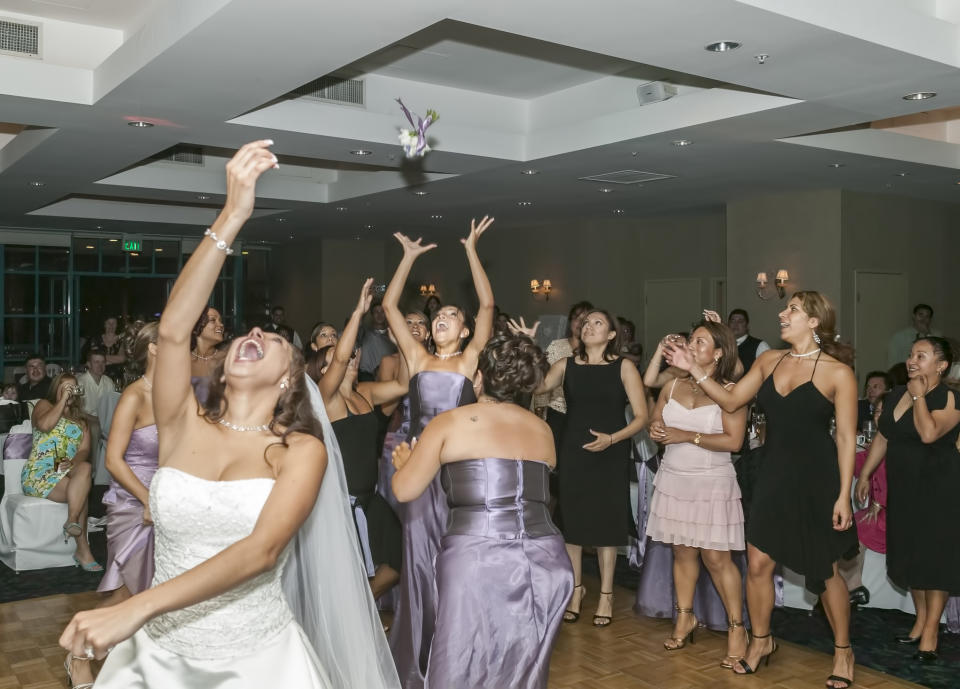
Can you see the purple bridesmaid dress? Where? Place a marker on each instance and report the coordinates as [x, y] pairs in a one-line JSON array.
[[393, 438], [424, 522], [129, 540], [503, 578]]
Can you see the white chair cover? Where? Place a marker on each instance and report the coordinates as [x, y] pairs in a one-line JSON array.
[[31, 535]]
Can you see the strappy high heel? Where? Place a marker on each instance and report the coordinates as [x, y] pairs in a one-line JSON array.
[[66, 666], [765, 658], [729, 661], [680, 642], [72, 530], [571, 616], [604, 620], [92, 566], [847, 682]]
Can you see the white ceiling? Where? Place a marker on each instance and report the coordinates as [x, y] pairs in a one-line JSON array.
[[543, 84]]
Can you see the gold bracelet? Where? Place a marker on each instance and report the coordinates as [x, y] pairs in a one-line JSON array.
[[696, 439]]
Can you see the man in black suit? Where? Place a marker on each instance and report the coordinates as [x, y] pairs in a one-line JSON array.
[[38, 382], [748, 346]]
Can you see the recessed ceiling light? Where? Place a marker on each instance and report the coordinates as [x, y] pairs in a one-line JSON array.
[[835, 165], [361, 152], [420, 193], [341, 208], [37, 184], [158, 249], [618, 211], [244, 253], [281, 219], [134, 254], [920, 95], [113, 241], [721, 46], [203, 197], [524, 203], [436, 216], [89, 246], [681, 142], [605, 190], [531, 171], [140, 124], [902, 174], [368, 227]]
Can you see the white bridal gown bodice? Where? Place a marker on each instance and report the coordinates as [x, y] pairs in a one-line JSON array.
[[245, 637]]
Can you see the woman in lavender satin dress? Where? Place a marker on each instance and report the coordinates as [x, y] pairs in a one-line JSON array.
[[503, 574], [132, 461], [438, 382]]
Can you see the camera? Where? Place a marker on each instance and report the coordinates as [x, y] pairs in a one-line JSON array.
[[75, 390]]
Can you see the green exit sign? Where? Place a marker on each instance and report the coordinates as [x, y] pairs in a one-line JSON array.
[[132, 245]]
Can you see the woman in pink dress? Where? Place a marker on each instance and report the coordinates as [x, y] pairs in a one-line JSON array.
[[696, 500]]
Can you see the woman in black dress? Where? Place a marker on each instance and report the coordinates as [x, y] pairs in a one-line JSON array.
[[919, 426], [350, 407], [801, 513], [594, 482]]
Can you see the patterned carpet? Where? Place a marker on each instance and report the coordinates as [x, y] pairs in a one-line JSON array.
[[873, 629]]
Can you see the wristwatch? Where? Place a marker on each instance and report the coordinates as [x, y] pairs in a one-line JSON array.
[[696, 439]]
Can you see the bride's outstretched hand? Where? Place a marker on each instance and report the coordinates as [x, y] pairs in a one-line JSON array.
[[413, 248], [522, 329], [101, 629], [243, 170], [475, 231], [366, 296]]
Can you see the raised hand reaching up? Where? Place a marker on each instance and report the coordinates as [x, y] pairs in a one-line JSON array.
[[470, 241], [413, 248], [522, 329]]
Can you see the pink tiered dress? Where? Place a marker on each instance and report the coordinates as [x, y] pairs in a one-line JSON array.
[[696, 499]]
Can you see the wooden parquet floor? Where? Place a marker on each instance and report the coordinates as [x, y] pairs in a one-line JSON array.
[[626, 655]]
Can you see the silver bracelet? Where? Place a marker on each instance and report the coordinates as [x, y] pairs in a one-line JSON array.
[[702, 378], [222, 245]]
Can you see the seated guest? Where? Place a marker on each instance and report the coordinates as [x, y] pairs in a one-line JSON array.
[[37, 383], [95, 383], [898, 350], [875, 387], [58, 469], [748, 346], [10, 392], [111, 344], [898, 375]]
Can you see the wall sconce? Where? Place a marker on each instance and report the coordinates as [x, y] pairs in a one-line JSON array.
[[780, 284], [541, 288], [428, 291]]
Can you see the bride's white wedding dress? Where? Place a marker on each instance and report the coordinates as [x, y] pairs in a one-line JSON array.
[[246, 637]]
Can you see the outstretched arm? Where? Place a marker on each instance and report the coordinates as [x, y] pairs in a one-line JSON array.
[[653, 377], [416, 467], [484, 325], [729, 399], [331, 380], [172, 396], [412, 350], [388, 391]]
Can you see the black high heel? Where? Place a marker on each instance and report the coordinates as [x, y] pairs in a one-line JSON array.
[[765, 658], [907, 640], [604, 620], [860, 596], [680, 642], [569, 615], [926, 657], [847, 682]]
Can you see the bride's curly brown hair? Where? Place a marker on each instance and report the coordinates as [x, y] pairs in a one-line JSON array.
[[292, 414]]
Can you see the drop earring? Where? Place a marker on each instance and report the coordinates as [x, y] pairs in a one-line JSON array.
[[816, 338], [283, 385]]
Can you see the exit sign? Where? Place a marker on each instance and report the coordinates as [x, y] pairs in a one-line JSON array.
[[132, 245]]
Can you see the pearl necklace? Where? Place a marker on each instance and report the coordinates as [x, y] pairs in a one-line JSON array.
[[201, 357], [444, 357], [237, 427], [805, 354]]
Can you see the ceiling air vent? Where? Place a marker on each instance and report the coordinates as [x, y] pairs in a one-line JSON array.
[[333, 90], [627, 177], [187, 155], [19, 38]]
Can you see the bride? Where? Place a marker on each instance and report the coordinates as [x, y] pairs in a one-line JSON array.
[[245, 484]]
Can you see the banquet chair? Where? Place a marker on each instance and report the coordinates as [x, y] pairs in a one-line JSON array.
[[31, 535]]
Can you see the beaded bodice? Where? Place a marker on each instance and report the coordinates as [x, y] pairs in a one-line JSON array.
[[194, 519]]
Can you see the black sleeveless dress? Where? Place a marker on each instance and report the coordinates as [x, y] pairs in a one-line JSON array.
[[357, 436], [797, 484], [594, 495], [923, 481]]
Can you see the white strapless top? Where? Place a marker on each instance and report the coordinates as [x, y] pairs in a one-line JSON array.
[[194, 519]]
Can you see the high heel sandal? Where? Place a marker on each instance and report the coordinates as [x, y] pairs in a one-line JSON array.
[[847, 682], [571, 616], [66, 666], [765, 658], [680, 642], [604, 620], [93, 566], [72, 530], [729, 661]]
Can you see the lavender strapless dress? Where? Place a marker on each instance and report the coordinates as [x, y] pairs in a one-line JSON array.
[[400, 418], [503, 578], [424, 522], [129, 540]]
